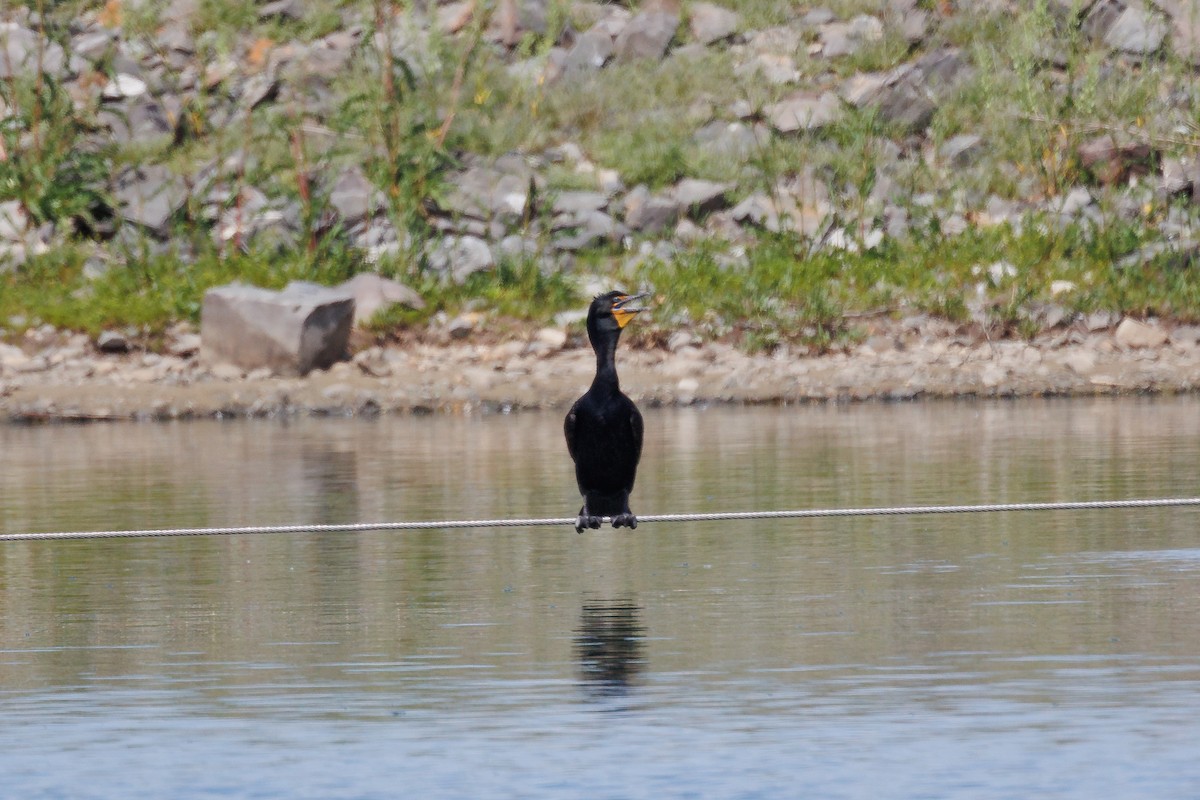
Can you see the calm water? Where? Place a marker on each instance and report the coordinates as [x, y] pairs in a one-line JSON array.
[[1047, 655]]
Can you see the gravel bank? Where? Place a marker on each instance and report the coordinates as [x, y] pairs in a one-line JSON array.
[[69, 380]]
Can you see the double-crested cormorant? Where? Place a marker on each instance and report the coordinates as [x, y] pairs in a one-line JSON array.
[[604, 427]]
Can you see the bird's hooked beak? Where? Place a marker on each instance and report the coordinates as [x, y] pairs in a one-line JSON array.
[[623, 311]]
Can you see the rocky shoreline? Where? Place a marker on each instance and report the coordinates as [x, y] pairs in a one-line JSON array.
[[55, 377]]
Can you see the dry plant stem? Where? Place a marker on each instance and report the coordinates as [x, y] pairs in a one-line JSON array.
[[460, 73], [302, 185]]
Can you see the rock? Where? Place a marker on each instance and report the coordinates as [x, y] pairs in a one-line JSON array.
[[1126, 26], [461, 326], [353, 196], [734, 140], [150, 195], [907, 106], [592, 51], [124, 85], [185, 345], [552, 338], [292, 10], [459, 257], [12, 357], [586, 229], [846, 38], [112, 342], [489, 192], [23, 50], [1112, 162], [1081, 362], [574, 202], [962, 150], [646, 36], [698, 197], [710, 23], [291, 332], [142, 122], [1134, 334], [650, 213], [1179, 175], [14, 222], [804, 111], [1188, 335], [373, 293], [686, 389], [1185, 28]]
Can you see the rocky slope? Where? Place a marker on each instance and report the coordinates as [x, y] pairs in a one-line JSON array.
[[434, 142]]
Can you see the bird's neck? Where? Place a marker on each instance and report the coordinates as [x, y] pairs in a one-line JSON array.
[[606, 362]]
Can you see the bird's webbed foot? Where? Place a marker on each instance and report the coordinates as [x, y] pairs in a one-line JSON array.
[[625, 520], [586, 520]]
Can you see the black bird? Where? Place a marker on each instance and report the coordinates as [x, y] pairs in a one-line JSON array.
[[604, 427]]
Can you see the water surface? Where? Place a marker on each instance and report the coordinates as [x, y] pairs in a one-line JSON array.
[[1049, 654]]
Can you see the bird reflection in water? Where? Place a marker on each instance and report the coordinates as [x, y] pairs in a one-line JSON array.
[[609, 643]]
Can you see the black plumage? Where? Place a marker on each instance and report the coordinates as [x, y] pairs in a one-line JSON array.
[[604, 427]]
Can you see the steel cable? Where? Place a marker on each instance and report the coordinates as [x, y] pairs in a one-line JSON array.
[[804, 513]]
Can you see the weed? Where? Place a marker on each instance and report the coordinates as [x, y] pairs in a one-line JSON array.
[[53, 170]]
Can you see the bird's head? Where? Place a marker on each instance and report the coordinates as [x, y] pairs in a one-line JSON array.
[[612, 311]]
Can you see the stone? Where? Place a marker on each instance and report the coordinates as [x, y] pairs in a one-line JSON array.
[[1126, 26], [698, 197], [14, 221], [373, 293], [353, 196], [488, 192], [292, 10], [907, 106], [1112, 162], [291, 332], [552, 338], [124, 85], [22, 51], [112, 342], [804, 111], [962, 150], [686, 390], [142, 121], [774, 68], [592, 51], [185, 345], [586, 229], [711, 23], [1081, 362], [646, 36], [150, 196], [1184, 22], [459, 257], [1178, 176], [1134, 334], [733, 140], [649, 213], [574, 202]]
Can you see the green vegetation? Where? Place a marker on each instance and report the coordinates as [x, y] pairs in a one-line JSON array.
[[411, 115]]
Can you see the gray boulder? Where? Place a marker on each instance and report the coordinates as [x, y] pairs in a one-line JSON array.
[[291, 332], [353, 196], [23, 50], [698, 197], [710, 23], [803, 111], [373, 293], [459, 257], [591, 51], [649, 213], [150, 195], [647, 35]]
